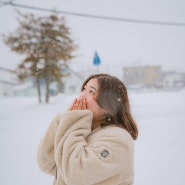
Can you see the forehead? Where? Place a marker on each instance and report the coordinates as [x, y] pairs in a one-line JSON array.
[[93, 82]]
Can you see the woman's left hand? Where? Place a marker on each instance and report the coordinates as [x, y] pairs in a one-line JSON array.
[[78, 104]]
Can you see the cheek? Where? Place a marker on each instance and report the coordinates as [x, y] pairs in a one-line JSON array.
[[91, 102], [95, 108], [93, 105]]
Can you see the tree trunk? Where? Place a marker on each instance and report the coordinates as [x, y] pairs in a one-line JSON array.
[[38, 90], [47, 90]]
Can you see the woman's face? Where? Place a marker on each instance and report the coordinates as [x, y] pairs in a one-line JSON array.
[[90, 93]]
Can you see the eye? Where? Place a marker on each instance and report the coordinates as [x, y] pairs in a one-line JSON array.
[[91, 92]]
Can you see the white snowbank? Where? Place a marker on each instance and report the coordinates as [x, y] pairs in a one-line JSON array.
[[159, 150]]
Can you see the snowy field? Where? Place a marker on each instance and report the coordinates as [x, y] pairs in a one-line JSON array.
[[159, 150]]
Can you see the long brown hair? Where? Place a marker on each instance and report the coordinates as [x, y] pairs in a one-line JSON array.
[[113, 97]]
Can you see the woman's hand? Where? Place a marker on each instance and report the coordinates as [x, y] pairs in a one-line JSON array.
[[78, 104]]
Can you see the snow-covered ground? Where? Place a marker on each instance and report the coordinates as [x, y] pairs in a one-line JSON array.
[[159, 150]]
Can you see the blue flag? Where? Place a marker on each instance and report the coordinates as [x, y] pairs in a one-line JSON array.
[[96, 59]]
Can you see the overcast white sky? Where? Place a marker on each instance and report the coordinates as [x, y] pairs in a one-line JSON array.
[[118, 43]]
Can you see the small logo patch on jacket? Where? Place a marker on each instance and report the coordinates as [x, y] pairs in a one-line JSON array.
[[104, 153]]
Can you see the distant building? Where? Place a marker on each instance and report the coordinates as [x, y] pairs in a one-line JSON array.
[[8, 80], [27, 88], [173, 79], [74, 79], [72, 82], [9, 84], [145, 76]]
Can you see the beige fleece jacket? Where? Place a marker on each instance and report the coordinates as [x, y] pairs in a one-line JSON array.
[[75, 155]]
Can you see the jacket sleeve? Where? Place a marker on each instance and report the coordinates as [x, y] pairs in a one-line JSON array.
[[81, 162], [45, 154]]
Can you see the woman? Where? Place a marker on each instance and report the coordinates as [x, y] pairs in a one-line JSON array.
[[92, 142]]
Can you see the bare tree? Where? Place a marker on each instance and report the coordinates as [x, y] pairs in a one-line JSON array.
[[46, 45]]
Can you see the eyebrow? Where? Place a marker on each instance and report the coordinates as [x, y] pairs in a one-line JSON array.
[[91, 87]]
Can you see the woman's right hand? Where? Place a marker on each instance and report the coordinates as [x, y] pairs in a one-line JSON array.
[[78, 104]]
